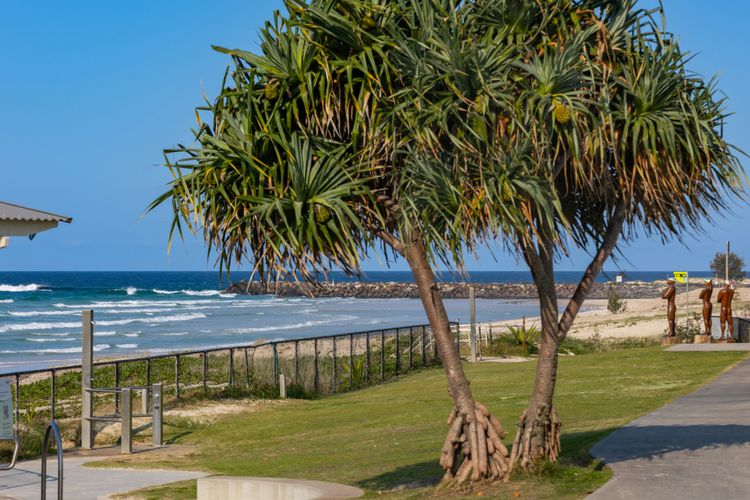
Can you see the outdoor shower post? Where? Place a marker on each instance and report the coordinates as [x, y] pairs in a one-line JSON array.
[[87, 334], [157, 416]]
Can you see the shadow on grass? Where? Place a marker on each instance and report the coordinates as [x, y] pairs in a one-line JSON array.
[[409, 476]]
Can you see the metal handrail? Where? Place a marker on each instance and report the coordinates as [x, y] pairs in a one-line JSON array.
[[12, 463], [54, 429], [172, 354]]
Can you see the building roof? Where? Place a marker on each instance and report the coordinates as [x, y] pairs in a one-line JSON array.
[[10, 212]]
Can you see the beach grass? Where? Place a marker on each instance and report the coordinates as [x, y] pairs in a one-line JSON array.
[[386, 439]]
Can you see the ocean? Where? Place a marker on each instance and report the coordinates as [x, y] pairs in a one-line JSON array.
[[156, 312]]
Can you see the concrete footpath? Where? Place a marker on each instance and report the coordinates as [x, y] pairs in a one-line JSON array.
[[81, 483], [697, 447]]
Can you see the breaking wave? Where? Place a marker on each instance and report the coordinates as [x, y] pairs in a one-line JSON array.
[[32, 287]]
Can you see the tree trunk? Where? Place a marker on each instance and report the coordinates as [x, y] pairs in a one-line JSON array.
[[473, 447], [538, 435]]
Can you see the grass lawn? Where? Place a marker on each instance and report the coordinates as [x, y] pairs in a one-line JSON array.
[[387, 438]]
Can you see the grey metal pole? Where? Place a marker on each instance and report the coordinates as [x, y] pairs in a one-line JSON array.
[[473, 327], [157, 413], [87, 408], [726, 263], [687, 299], [126, 422]]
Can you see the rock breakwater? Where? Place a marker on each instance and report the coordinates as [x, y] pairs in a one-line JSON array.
[[381, 290]]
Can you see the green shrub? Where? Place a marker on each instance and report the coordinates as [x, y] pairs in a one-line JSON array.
[[615, 304]]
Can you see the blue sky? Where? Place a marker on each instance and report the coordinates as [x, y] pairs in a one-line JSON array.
[[93, 91]]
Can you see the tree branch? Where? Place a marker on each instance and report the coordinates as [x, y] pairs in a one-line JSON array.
[[595, 266]]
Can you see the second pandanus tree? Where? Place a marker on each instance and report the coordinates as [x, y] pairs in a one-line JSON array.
[[319, 148], [630, 143]]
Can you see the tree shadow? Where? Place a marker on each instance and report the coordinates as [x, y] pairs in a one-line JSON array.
[[649, 442], [410, 476]]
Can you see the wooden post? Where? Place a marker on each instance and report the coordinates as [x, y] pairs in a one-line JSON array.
[[282, 386], [157, 415], [144, 401], [87, 408], [126, 422]]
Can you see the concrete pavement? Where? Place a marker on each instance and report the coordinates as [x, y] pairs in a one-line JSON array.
[[697, 447], [81, 483]]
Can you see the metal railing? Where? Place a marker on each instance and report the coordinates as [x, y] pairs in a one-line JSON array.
[[311, 366], [52, 428]]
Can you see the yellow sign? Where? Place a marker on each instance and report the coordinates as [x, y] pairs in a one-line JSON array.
[[680, 276]]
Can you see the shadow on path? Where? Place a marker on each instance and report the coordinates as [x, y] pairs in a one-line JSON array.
[[654, 441]]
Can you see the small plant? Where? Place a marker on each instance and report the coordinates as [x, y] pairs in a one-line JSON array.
[[615, 304], [527, 338], [686, 330]]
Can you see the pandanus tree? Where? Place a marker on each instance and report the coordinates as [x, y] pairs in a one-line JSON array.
[[363, 124], [630, 143]]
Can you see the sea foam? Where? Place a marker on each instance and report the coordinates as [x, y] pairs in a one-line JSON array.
[[32, 287]]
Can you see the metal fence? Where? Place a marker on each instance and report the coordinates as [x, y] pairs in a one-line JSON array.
[[311, 366]]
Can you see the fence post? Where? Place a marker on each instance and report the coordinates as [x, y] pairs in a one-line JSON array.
[[18, 403], [87, 409], [398, 351], [367, 359], [205, 372], [231, 367], [52, 394], [177, 376], [282, 386], [351, 361], [490, 335], [315, 369], [157, 415], [148, 372], [126, 422], [275, 364], [335, 375], [296, 362], [411, 347], [247, 370], [117, 386], [434, 345], [424, 348], [382, 355]]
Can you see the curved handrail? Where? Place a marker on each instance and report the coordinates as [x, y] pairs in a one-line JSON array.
[[52, 427], [16, 443]]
